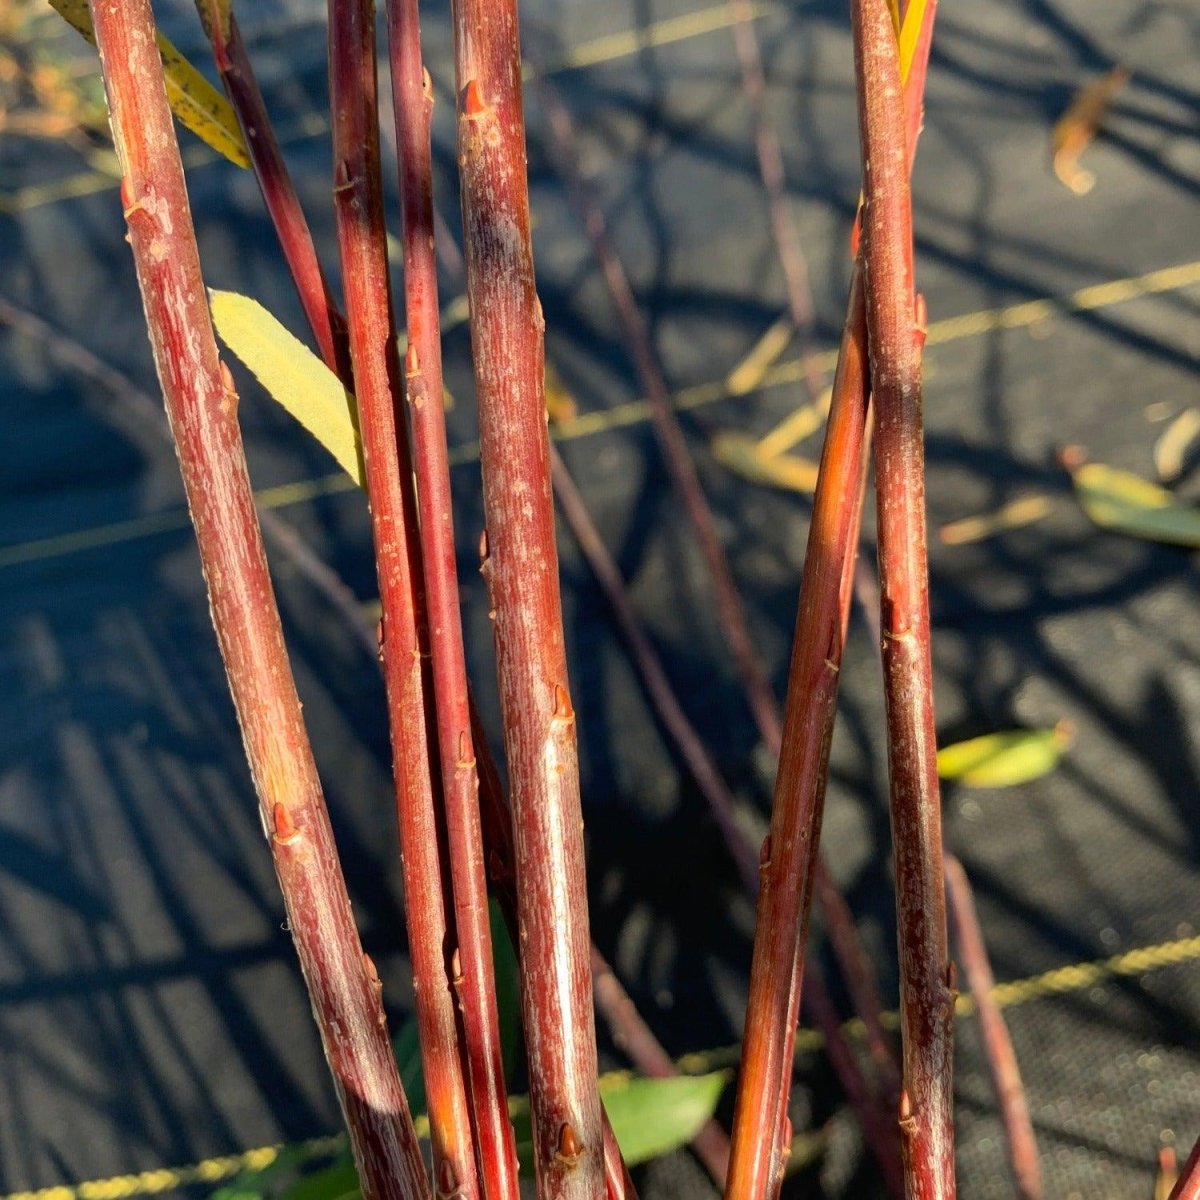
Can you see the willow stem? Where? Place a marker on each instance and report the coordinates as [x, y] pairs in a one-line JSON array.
[[926, 986], [412, 93], [521, 571], [1001, 1057], [202, 407], [358, 207]]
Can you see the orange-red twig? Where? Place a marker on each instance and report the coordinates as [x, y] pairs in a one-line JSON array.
[[1002, 1059], [927, 995], [358, 207], [413, 98]]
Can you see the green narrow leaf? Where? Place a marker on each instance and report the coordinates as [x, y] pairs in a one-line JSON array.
[[1126, 503], [215, 16], [741, 453], [197, 104], [336, 1182], [1004, 759], [655, 1116], [649, 1117], [293, 375]]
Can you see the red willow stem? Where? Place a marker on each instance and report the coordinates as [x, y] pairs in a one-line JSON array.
[[283, 205], [358, 207], [730, 612], [496, 820], [629, 1029], [1002, 1058], [926, 989], [1187, 1186], [792, 864], [521, 570], [412, 93], [790, 851], [618, 1183], [770, 169], [202, 406], [721, 804], [634, 1036], [682, 469]]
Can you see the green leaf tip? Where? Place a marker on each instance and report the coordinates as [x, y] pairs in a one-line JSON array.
[[650, 1117], [293, 376], [1126, 503]]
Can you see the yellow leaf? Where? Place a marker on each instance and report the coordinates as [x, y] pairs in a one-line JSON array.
[[795, 427], [293, 375], [749, 373], [910, 33], [1077, 127], [1014, 515], [741, 454], [197, 104], [1004, 759], [1171, 449], [1126, 503]]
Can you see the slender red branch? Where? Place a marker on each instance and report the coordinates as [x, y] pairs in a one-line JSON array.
[[1187, 1186], [521, 569], [914, 83], [632, 1034], [730, 612], [283, 205], [857, 972], [1002, 1058], [144, 421], [790, 852], [618, 1183], [358, 206], [682, 733], [927, 997], [498, 844], [667, 430], [202, 407], [878, 1130], [721, 805], [413, 99], [770, 168]]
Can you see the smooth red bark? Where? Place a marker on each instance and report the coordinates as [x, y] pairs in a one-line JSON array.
[[202, 407], [926, 987], [521, 570], [358, 207]]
